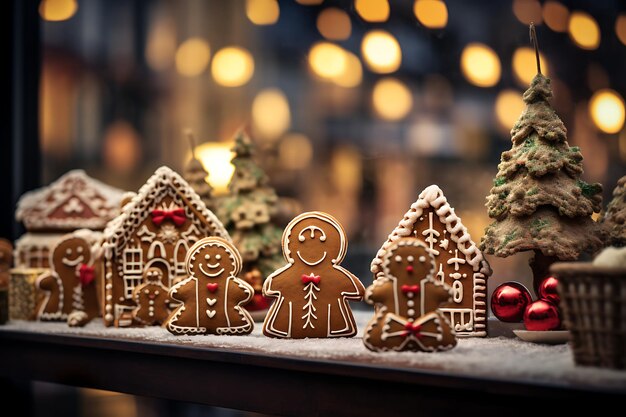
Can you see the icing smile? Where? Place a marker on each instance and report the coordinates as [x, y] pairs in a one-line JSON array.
[[311, 263], [69, 262], [212, 267]]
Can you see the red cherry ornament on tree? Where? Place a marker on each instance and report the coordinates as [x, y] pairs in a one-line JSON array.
[[542, 315], [548, 290], [509, 301]]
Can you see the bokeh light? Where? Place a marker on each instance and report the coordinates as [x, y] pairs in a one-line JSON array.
[[309, 2], [161, 45], [262, 12], [121, 147], [352, 73], [584, 30], [527, 11], [295, 151], [271, 116], [607, 110], [480, 65], [57, 10], [216, 157], [372, 10], [232, 66], [431, 13], [381, 52], [334, 24], [508, 107], [620, 28], [525, 65], [327, 60], [392, 99], [556, 16], [192, 57]]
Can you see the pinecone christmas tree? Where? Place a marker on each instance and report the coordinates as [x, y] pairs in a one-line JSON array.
[[614, 218], [538, 201], [195, 174], [248, 214]]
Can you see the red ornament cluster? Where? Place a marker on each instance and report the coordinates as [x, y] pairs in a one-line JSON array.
[[511, 302]]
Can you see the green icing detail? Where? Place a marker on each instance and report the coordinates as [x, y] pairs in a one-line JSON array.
[[588, 190], [532, 191], [499, 181]]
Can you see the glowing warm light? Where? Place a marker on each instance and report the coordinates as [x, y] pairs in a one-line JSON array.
[[372, 10], [480, 65], [392, 99], [232, 66], [121, 147], [216, 157], [508, 107], [620, 28], [295, 151], [584, 30], [271, 116], [527, 11], [57, 10], [352, 74], [327, 60], [525, 65], [431, 13], [607, 110], [334, 24], [161, 45], [192, 57], [556, 16], [262, 12], [622, 145], [381, 52]]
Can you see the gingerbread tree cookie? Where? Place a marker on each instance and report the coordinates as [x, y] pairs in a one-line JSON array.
[[407, 299], [312, 291], [69, 287], [152, 299], [6, 262], [614, 218], [459, 263], [212, 298]]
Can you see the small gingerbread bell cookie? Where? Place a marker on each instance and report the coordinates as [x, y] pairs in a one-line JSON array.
[[212, 298], [407, 300], [152, 299], [312, 291]]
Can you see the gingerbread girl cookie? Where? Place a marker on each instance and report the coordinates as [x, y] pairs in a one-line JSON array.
[[407, 298], [152, 299], [312, 290], [212, 298], [69, 287]]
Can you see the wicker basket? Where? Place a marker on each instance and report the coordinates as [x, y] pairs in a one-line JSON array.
[[593, 302]]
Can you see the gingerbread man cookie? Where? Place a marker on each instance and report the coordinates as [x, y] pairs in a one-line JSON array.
[[6, 261], [152, 299], [312, 290], [407, 298], [212, 298], [69, 287]]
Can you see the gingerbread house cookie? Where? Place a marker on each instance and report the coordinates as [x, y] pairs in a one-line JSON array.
[[155, 229], [74, 201], [212, 297], [311, 292], [458, 261], [69, 286], [407, 300]]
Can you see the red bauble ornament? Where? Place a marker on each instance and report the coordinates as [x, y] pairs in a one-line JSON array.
[[548, 290], [509, 300], [542, 315]]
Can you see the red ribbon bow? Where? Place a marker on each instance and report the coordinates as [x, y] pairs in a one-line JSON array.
[[412, 329], [86, 274], [176, 215], [410, 288], [311, 278]]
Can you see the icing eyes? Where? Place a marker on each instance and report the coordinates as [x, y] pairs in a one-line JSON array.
[[422, 259], [410, 258], [218, 257], [79, 249], [207, 256], [156, 292], [68, 251], [398, 258]]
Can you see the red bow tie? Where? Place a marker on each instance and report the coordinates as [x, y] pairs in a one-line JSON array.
[[412, 329], [311, 278], [410, 288], [86, 274], [176, 215]]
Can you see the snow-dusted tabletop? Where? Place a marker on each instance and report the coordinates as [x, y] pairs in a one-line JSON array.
[[497, 358]]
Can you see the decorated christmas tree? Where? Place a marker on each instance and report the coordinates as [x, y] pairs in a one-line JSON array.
[[539, 201], [614, 218], [195, 174], [248, 213]]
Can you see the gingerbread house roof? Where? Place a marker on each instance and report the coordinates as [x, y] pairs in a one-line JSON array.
[[433, 197], [73, 201], [119, 230]]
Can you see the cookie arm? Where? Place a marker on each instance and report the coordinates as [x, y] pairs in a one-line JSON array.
[[241, 290], [183, 291], [379, 291]]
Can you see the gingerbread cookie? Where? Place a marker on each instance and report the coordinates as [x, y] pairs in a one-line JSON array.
[[70, 285], [212, 298], [152, 299], [407, 300], [6, 262], [312, 290], [458, 261]]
